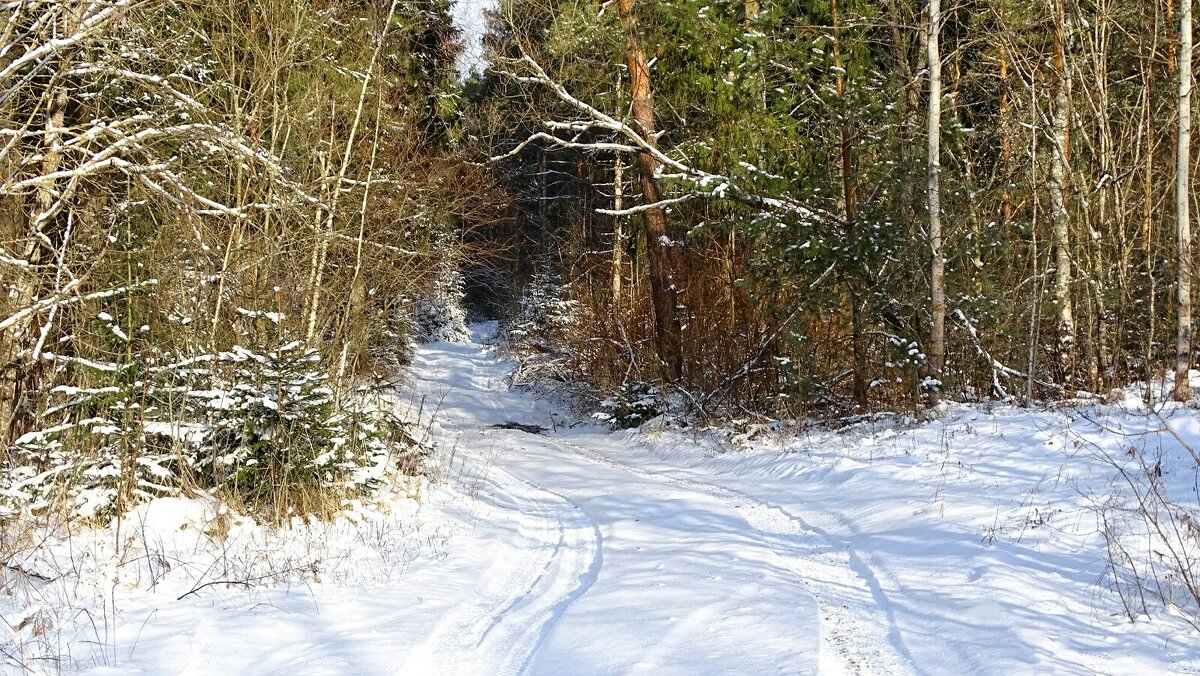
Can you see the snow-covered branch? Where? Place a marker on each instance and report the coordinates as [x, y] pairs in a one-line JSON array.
[[563, 143], [992, 362], [61, 298], [94, 18], [644, 207], [710, 184]]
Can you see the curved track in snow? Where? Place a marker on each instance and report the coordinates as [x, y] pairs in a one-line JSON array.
[[521, 594], [858, 629], [616, 569]]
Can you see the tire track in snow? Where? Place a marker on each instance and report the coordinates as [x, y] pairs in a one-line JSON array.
[[851, 567], [518, 630], [851, 636], [521, 598], [586, 580], [859, 633]]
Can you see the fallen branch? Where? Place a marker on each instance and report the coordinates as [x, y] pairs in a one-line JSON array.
[[310, 568], [530, 429], [997, 366], [16, 568], [244, 583]]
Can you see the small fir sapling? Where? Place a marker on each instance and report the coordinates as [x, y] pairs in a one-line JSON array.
[[439, 315], [633, 404]]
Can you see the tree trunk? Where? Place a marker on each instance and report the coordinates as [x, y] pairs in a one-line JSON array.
[[1005, 139], [1108, 220], [663, 291], [850, 211], [1150, 255], [618, 236], [752, 8], [20, 379], [1183, 226], [937, 276], [1058, 194]]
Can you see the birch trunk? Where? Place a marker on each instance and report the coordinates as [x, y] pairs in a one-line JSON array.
[[20, 375], [1058, 194], [618, 236], [937, 276], [1183, 226]]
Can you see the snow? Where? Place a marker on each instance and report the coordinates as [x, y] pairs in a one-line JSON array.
[[969, 544]]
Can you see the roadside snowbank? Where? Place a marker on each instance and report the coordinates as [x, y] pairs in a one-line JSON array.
[[79, 598]]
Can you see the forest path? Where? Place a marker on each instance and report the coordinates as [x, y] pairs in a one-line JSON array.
[[962, 545], [601, 566]]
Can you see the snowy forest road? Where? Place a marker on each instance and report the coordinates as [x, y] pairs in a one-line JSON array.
[[962, 545], [600, 566]]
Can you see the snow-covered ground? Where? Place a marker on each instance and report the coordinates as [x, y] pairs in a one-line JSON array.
[[968, 545]]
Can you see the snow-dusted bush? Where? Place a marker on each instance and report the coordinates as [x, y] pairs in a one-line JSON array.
[[632, 405], [263, 426], [275, 426], [439, 315]]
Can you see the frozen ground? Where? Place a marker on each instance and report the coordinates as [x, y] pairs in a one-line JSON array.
[[969, 545]]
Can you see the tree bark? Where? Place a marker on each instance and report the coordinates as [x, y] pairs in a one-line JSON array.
[[752, 8], [1005, 139], [20, 379], [1107, 220], [1183, 226], [660, 248], [618, 236], [1148, 214], [937, 276], [1059, 188], [618, 231]]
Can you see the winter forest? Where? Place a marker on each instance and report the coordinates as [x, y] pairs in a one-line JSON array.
[[606, 337]]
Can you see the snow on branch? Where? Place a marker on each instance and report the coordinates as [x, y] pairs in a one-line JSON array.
[[646, 207], [996, 366], [563, 143], [153, 80], [61, 298], [95, 17], [714, 185]]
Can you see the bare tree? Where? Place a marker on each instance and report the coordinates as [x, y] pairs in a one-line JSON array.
[[69, 153]]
